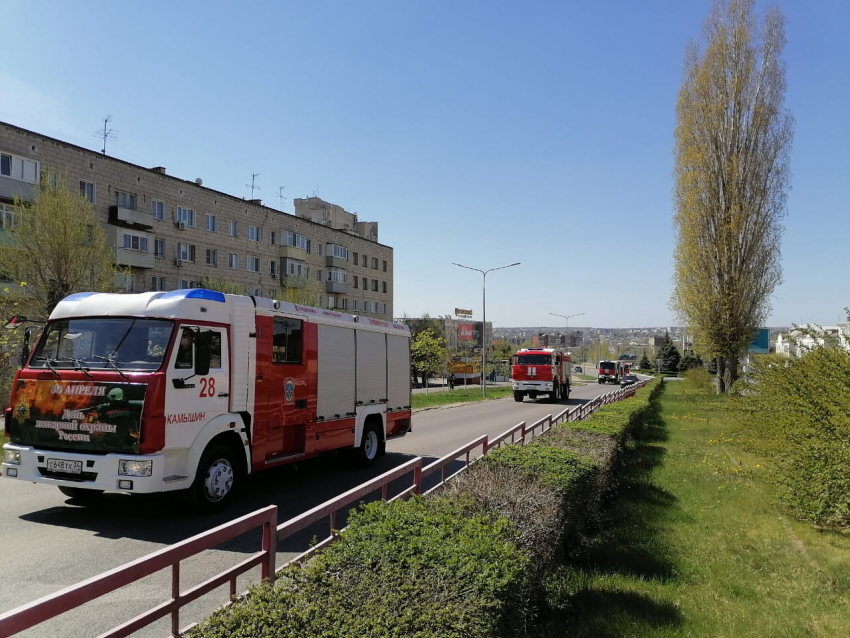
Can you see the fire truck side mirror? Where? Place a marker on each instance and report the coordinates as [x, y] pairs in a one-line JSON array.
[[202, 352], [15, 321]]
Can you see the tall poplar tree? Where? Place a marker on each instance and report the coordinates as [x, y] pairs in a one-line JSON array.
[[733, 140]]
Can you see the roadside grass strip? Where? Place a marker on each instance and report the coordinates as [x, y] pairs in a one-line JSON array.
[[698, 543], [447, 397], [486, 557]]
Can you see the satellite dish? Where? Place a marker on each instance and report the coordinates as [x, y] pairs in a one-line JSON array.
[[199, 181]]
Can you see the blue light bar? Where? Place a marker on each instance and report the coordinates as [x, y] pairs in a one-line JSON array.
[[195, 293], [78, 295]]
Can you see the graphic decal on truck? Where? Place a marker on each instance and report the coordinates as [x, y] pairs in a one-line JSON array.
[[78, 416]]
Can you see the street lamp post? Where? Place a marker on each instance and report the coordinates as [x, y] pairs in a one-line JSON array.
[[567, 318], [484, 318]]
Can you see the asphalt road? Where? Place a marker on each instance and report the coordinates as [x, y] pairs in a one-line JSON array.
[[48, 543]]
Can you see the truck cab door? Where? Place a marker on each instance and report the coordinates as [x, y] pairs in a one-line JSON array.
[[191, 399]]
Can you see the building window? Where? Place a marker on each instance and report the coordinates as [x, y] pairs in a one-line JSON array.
[[385, 309], [87, 190], [374, 285], [355, 259], [253, 233], [49, 179], [125, 200], [272, 293], [355, 304], [7, 216], [159, 248], [157, 283], [356, 280], [335, 250], [385, 266], [367, 306], [186, 215], [319, 275], [271, 238], [384, 287], [212, 223], [365, 283], [232, 228], [19, 168], [320, 250], [374, 263], [185, 284], [255, 292], [364, 261], [343, 303], [186, 252], [337, 275], [272, 267], [296, 240], [286, 340], [294, 267], [331, 303], [232, 261], [253, 264], [157, 209], [136, 242], [126, 283], [212, 257]]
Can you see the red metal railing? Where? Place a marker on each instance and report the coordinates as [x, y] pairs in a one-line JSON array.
[[48, 607], [330, 508]]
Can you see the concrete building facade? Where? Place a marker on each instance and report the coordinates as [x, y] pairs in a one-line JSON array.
[[172, 232]]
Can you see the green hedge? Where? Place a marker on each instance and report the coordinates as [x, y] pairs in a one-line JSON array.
[[424, 567]]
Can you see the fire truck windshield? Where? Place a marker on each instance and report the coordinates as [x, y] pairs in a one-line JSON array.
[[533, 360], [120, 343]]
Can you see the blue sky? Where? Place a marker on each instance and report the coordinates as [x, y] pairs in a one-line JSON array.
[[483, 133]]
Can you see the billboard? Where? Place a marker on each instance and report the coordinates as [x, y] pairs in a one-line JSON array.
[[465, 332], [77, 415], [760, 343]]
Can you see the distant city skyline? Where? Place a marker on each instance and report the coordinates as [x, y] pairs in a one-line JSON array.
[[478, 133]]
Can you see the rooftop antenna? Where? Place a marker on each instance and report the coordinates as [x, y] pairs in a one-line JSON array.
[[252, 185], [107, 133], [280, 190]]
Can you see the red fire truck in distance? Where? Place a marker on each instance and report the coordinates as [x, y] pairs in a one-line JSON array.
[[538, 371], [192, 389], [609, 372]]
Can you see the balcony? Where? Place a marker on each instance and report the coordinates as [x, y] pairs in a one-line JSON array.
[[134, 258], [12, 188], [336, 287], [336, 262], [121, 216], [291, 252]]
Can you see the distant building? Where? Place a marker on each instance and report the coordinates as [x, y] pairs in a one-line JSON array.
[[809, 336]]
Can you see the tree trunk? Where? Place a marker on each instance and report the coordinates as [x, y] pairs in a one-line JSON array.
[[721, 374], [731, 371]]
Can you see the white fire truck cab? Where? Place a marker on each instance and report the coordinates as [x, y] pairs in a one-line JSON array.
[[193, 389]]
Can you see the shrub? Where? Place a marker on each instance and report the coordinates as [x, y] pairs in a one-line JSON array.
[[424, 567], [799, 413], [698, 378]]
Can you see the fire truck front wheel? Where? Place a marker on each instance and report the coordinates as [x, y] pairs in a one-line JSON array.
[[519, 396], [370, 446], [219, 474]]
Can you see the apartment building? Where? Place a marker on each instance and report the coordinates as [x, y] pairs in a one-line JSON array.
[[173, 232]]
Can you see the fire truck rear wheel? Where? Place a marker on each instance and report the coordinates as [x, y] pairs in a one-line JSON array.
[[218, 476], [370, 446], [555, 394], [519, 396], [80, 494]]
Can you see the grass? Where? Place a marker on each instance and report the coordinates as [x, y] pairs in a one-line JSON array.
[[445, 397], [697, 544], [584, 377]]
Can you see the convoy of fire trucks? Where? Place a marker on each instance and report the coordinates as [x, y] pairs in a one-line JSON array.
[[193, 389], [611, 371], [537, 371]]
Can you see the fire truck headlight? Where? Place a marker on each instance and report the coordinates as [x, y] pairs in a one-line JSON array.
[[12, 456], [135, 468]]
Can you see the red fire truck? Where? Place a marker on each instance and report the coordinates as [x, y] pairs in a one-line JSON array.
[[609, 372], [193, 389], [541, 371]]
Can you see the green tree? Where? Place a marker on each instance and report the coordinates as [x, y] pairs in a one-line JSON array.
[[57, 247], [221, 285], [427, 354], [733, 138], [668, 356], [644, 362], [301, 290]]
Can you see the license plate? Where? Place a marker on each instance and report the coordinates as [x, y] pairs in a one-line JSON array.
[[61, 465]]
